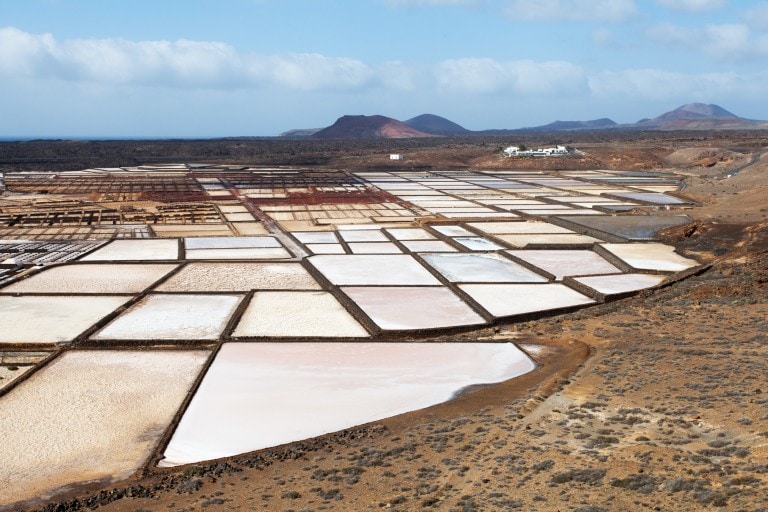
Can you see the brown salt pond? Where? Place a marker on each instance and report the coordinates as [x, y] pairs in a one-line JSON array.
[[257, 395], [89, 416]]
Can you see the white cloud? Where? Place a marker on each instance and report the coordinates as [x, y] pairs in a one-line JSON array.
[[757, 17], [724, 42], [182, 63], [483, 75], [571, 10], [693, 5], [657, 84]]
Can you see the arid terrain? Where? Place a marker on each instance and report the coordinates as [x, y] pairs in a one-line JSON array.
[[654, 402]]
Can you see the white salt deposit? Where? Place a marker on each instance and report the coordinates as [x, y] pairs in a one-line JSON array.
[[258, 395], [515, 299], [562, 262], [173, 317], [651, 256], [89, 416], [127, 250], [396, 308], [373, 248], [481, 268], [93, 278], [297, 314], [363, 269], [622, 283], [516, 228], [428, 246], [52, 319], [227, 277], [256, 253]]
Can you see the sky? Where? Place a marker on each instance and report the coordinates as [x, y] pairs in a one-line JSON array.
[[216, 68]]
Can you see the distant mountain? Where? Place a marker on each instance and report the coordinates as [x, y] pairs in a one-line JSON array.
[[436, 125], [368, 127], [595, 124], [697, 116], [300, 133]]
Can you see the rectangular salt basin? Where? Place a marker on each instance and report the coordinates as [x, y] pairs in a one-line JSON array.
[[173, 317], [399, 308], [552, 239], [234, 242], [368, 235], [373, 248], [229, 277], [250, 228], [297, 314], [517, 228], [316, 237], [92, 278], [622, 283], [567, 262], [52, 319], [452, 230], [650, 256], [428, 246], [476, 243], [502, 300], [259, 395], [89, 416], [410, 234], [326, 248], [136, 250], [631, 227], [363, 269], [257, 253], [481, 268]]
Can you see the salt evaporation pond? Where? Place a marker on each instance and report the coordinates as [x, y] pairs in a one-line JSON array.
[[259, 395], [89, 416]]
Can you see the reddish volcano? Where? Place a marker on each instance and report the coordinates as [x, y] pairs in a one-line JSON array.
[[368, 127]]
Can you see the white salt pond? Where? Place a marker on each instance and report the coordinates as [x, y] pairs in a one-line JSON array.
[[136, 250], [481, 268], [173, 317], [651, 256], [564, 262], [502, 300], [89, 415], [363, 269], [92, 278], [397, 308], [259, 395], [52, 319], [621, 283], [226, 277], [297, 314]]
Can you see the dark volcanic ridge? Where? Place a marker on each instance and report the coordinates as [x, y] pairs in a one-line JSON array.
[[436, 125]]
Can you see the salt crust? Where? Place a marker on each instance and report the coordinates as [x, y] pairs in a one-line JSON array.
[[89, 415], [257, 395]]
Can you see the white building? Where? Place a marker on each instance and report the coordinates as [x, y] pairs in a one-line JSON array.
[[516, 151], [396, 156]]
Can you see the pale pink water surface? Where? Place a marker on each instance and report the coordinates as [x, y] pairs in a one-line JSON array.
[[258, 395]]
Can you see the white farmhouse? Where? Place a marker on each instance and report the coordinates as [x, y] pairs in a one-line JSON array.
[[516, 151], [396, 156]]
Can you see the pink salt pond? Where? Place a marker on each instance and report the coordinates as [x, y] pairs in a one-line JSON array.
[[395, 308], [259, 395]]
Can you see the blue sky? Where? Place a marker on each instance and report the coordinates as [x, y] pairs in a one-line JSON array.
[[209, 68]]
